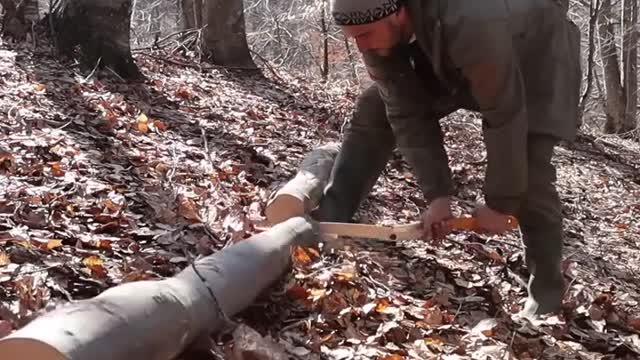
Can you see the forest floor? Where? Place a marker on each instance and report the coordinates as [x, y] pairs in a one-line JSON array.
[[105, 182]]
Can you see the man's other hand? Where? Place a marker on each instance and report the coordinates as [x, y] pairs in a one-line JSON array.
[[434, 225], [491, 221]]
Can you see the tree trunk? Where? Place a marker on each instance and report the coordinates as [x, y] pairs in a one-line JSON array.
[[630, 60], [594, 9], [615, 101], [101, 30], [325, 41], [19, 17], [192, 15], [157, 320], [225, 35]]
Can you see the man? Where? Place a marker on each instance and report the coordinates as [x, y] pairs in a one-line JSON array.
[[517, 63]]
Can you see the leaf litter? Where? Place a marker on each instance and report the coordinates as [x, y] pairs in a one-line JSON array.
[[106, 183]]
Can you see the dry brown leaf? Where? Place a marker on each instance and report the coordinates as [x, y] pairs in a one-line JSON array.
[[103, 244], [95, 264], [5, 328], [486, 327], [392, 357], [188, 209], [143, 123], [24, 243], [317, 294], [92, 261], [184, 93], [6, 159], [53, 243], [634, 323], [297, 292], [4, 259], [382, 304], [160, 125], [301, 256], [344, 275], [493, 255], [111, 206], [40, 88], [432, 316]]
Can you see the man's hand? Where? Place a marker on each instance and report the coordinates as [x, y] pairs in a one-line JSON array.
[[433, 224], [491, 221]]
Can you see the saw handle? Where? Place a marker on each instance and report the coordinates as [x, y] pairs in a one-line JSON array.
[[471, 223]]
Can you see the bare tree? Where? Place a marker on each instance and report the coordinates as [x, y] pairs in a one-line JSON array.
[[615, 102], [630, 63], [225, 35], [594, 9], [192, 14], [101, 30], [19, 17]]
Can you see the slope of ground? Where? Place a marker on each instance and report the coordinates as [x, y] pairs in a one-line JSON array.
[[106, 182]]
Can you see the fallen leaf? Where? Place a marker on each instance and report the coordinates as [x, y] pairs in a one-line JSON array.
[[485, 327], [297, 292], [53, 243], [94, 264], [635, 323], [392, 357], [188, 209], [301, 256], [40, 88], [160, 125], [5, 328], [143, 123], [382, 304], [6, 160], [183, 92], [432, 316], [103, 244], [344, 275], [56, 169], [92, 261], [317, 294], [4, 259]]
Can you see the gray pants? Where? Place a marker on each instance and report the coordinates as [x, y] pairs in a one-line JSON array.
[[366, 148]]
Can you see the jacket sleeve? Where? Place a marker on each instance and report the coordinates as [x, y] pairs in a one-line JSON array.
[[418, 134], [482, 50]]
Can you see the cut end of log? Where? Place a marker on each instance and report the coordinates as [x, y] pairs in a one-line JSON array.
[[24, 348], [284, 207]]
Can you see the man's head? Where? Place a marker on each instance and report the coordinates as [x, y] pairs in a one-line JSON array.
[[376, 25]]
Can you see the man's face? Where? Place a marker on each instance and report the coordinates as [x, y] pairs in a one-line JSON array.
[[379, 37]]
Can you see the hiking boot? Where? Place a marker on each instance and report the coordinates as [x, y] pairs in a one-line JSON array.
[[543, 256]]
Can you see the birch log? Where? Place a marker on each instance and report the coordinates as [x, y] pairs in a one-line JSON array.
[[303, 193], [157, 320]]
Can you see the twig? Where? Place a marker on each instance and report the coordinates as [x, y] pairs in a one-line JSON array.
[[273, 71], [83, 81], [208, 67], [300, 342]]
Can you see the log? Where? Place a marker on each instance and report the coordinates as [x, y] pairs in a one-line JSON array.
[[158, 319], [303, 193]]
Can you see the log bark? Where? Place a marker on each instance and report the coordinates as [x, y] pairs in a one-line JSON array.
[[302, 194], [101, 30], [225, 34], [157, 320]]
